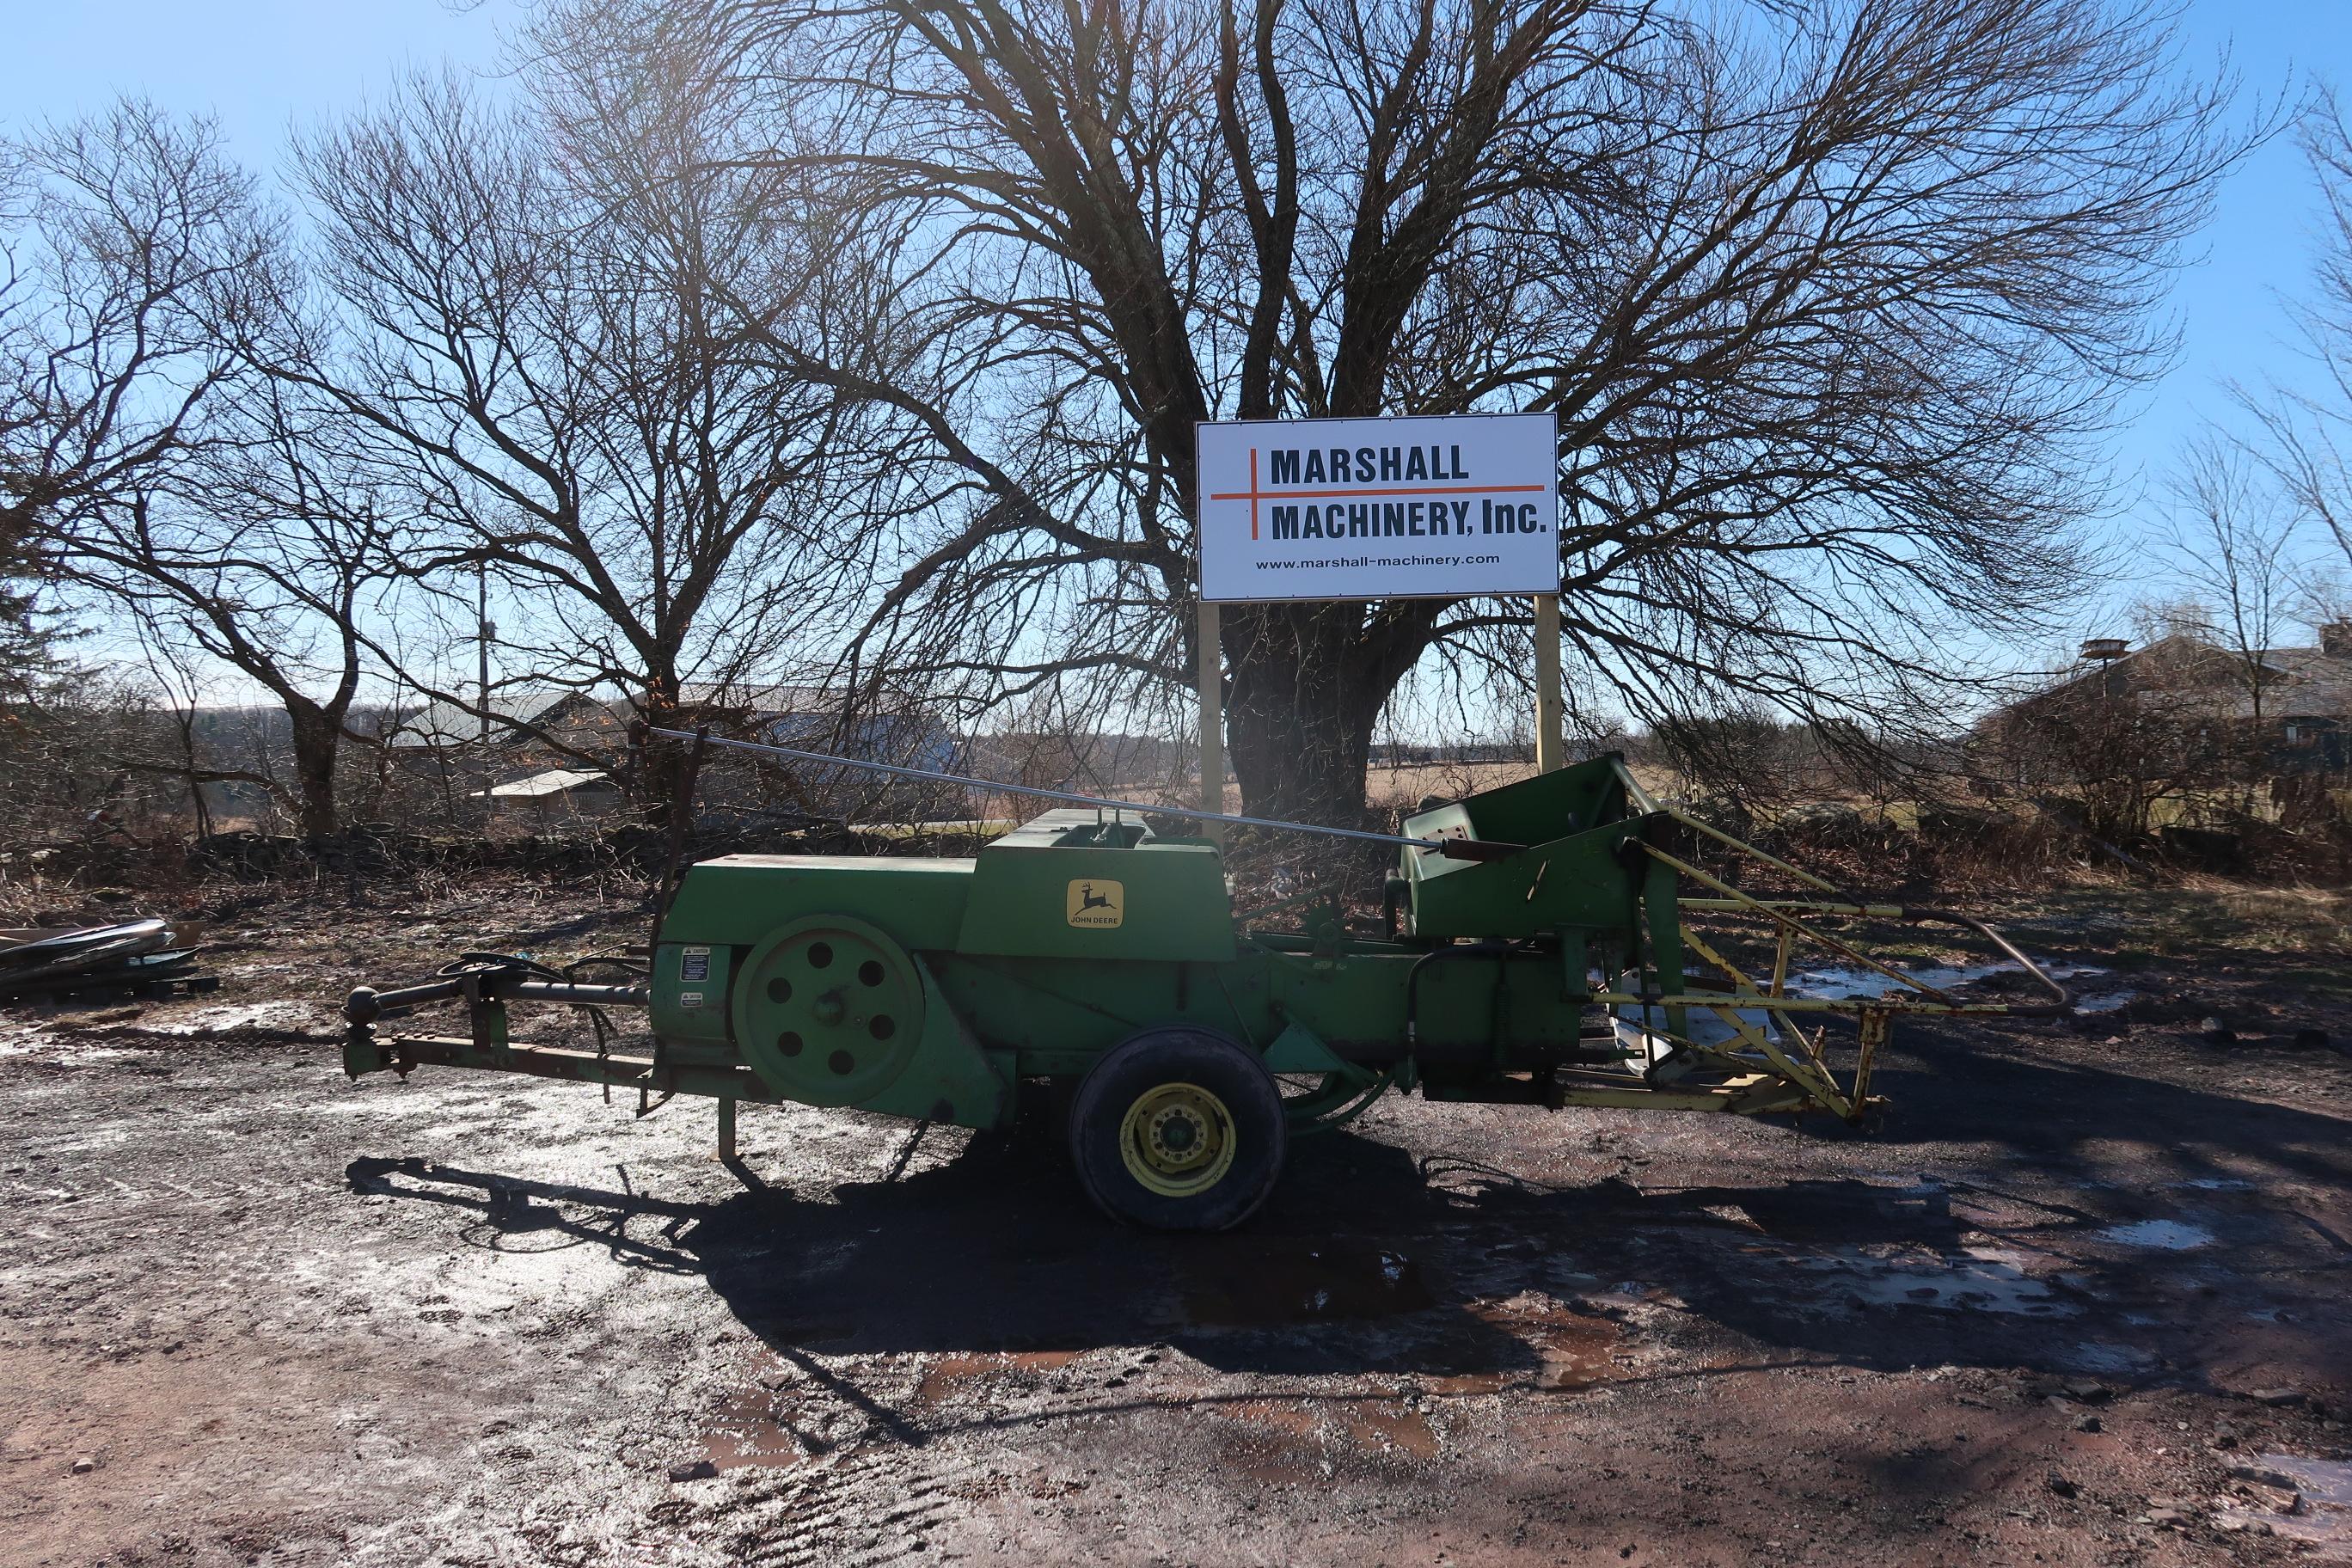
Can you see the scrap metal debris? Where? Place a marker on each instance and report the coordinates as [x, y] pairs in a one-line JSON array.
[[133, 959]]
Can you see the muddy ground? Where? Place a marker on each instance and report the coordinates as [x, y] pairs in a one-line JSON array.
[[2082, 1300]]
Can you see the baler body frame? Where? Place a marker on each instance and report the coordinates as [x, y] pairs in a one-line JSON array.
[[1541, 950]]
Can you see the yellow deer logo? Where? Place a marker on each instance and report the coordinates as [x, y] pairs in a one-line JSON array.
[[1094, 905]]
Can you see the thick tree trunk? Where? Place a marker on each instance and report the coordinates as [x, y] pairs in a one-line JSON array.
[[667, 786], [1305, 686], [317, 738]]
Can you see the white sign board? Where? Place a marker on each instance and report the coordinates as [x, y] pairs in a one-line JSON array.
[[1423, 507]]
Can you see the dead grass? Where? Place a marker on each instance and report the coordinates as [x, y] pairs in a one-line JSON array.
[[1402, 789], [2135, 926]]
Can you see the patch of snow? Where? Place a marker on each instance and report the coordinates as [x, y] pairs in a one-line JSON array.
[[2094, 1357], [53, 1052], [1836, 983], [1703, 1025], [2113, 1002], [220, 1019], [2325, 1481], [1974, 1279], [2162, 1235], [2324, 1519]]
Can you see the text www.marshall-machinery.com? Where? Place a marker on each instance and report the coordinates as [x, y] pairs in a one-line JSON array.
[[1362, 561]]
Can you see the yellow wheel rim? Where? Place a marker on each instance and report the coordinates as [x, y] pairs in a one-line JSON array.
[[1177, 1139]]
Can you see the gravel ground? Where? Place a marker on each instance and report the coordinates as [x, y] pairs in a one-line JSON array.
[[2083, 1298]]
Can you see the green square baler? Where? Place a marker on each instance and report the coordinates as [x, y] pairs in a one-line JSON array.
[[1540, 948]]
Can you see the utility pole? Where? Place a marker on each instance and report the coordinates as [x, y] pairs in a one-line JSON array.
[[483, 632]]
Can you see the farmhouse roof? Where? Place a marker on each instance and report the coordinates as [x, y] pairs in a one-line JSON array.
[[781, 698], [553, 782], [2298, 682], [444, 723]]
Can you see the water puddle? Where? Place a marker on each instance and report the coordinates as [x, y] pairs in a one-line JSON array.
[[1389, 1429], [2323, 1517], [2114, 1360], [1833, 983], [760, 1427], [1278, 1443], [1827, 1213], [1974, 1279], [1572, 1349], [1271, 1284], [951, 1375], [2158, 1234], [1288, 1443]]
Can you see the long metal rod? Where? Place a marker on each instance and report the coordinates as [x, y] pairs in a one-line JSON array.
[[1061, 795]]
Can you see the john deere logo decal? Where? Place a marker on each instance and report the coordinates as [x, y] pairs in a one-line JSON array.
[[1097, 905]]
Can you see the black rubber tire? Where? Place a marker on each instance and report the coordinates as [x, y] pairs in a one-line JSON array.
[[1168, 1055]]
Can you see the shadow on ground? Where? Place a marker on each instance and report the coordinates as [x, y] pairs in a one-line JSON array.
[[1369, 1260], [991, 1252]]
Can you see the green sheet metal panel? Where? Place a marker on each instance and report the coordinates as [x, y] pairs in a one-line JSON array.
[[1071, 885], [1572, 821], [738, 900], [1580, 880], [1539, 809], [952, 1080], [1467, 1000], [1058, 1014]]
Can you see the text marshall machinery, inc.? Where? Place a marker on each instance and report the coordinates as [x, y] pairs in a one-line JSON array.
[[1406, 506]]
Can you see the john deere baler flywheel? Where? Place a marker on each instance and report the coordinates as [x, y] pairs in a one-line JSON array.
[[828, 1010]]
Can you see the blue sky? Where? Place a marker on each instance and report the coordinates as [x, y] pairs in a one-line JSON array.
[[2260, 244], [258, 65], [262, 65]]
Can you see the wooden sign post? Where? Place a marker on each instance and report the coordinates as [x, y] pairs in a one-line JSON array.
[[1550, 754], [1210, 659]]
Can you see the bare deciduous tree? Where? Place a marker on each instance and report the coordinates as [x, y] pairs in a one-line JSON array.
[[21, 642], [534, 359], [160, 471], [2233, 540], [1829, 300], [2305, 434], [266, 557], [123, 238]]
